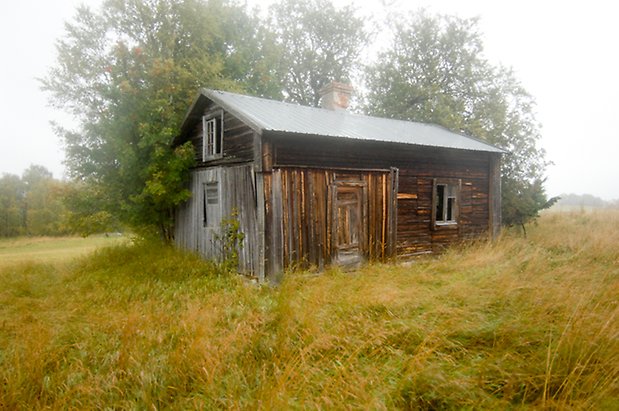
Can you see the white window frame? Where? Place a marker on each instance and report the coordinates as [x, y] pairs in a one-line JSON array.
[[446, 202], [212, 136]]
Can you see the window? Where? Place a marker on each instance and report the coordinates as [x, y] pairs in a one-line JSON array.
[[212, 136], [210, 204], [445, 202]]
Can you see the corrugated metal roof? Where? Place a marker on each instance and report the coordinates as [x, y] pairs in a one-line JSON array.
[[270, 115]]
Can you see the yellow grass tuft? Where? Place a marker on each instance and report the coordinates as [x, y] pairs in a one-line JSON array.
[[520, 323]]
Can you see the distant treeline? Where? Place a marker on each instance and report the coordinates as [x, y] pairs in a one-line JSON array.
[[585, 200], [31, 204], [37, 204]]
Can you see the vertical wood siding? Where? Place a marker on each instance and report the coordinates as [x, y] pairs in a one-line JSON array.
[[237, 192], [299, 215]]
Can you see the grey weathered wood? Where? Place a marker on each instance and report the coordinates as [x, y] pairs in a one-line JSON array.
[[276, 227], [494, 192], [237, 193], [260, 207]]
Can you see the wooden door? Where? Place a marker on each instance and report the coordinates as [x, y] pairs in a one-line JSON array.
[[349, 222]]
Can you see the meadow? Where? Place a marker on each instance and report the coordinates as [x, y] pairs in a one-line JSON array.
[[51, 249], [521, 323]]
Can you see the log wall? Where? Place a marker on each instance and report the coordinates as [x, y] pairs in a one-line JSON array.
[[238, 140], [283, 186], [418, 167]]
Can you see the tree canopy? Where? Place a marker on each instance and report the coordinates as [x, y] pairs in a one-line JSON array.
[[32, 204], [317, 43], [435, 72], [128, 72]]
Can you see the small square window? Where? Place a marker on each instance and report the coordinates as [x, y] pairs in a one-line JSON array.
[[212, 136]]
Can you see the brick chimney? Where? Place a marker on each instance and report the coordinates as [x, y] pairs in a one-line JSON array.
[[335, 96]]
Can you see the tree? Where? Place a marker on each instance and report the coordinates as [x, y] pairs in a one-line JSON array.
[[127, 73], [317, 43], [435, 72], [42, 202], [31, 204], [523, 200], [84, 215], [11, 205]]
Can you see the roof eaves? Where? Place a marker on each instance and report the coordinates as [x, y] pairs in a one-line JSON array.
[[196, 102], [276, 132], [246, 118], [479, 140]]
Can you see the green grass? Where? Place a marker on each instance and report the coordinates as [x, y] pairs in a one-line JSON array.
[[518, 324], [51, 249]]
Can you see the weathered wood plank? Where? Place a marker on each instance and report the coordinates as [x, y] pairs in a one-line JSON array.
[[236, 193]]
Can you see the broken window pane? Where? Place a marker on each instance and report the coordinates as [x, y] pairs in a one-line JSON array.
[[446, 203], [440, 201], [210, 204]]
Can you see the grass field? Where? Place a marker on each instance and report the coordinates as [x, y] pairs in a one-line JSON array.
[[519, 324], [51, 249]]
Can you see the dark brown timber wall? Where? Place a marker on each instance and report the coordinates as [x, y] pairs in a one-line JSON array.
[[418, 167], [238, 140], [314, 216]]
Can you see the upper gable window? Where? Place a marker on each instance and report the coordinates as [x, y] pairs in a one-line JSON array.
[[212, 136], [445, 202]]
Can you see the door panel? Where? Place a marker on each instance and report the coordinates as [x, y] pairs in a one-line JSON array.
[[349, 223]]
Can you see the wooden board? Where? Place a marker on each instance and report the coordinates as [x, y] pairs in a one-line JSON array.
[[313, 215], [237, 194]]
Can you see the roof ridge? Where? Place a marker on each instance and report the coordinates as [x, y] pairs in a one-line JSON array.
[[267, 114]]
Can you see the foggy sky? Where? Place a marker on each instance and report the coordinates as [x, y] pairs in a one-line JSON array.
[[564, 53]]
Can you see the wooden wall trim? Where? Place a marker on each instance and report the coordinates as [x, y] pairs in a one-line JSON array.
[[260, 207], [494, 190], [306, 167]]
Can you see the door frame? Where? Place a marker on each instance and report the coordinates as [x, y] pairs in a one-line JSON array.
[[363, 220]]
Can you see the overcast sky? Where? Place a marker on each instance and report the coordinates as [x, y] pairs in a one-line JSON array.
[[564, 53]]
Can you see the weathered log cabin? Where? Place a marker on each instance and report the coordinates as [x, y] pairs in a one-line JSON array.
[[323, 186]]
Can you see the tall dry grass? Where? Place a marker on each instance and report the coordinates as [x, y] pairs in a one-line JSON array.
[[521, 323]]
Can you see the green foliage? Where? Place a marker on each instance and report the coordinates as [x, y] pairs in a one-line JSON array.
[[11, 205], [43, 207], [523, 202], [317, 43], [435, 72], [165, 187], [128, 73], [231, 242], [32, 204], [83, 214]]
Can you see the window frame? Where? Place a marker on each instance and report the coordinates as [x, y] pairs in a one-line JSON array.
[[211, 210], [452, 189], [212, 136]]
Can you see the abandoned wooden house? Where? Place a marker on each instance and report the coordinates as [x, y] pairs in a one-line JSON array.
[[323, 186]]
